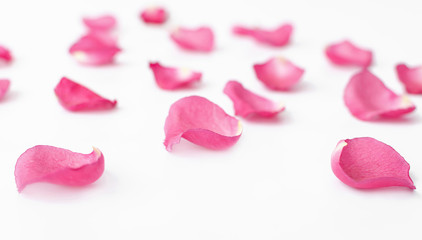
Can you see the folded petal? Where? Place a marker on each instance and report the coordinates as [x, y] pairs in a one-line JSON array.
[[368, 163], [367, 98], [5, 55], [411, 78], [101, 23], [247, 103], [202, 122], [95, 48], [154, 15], [173, 78], [275, 37], [4, 87], [75, 97], [200, 39], [346, 53], [278, 73], [44, 163]]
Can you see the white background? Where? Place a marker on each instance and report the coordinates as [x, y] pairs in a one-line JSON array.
[[275, 183]]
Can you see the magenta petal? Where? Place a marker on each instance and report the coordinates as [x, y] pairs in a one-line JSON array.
[[59, 166], [200, 39], [202, 122], [172, 78], [247, 103], [347, 54], [277, 37], [278, 73], [154, 15], [4, 87], [75, 97], [367, 98], [369, 163], [95, 48], [411, 78], [102, 23], [5, 55]]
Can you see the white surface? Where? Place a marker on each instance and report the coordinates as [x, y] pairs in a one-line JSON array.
[[275, 183]]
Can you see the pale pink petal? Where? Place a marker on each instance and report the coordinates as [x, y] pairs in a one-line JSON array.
[[4, 87], [411, 78], [5, 55], [172, 78], [154, 15], [102, 23], [95, 48], [278, 73], [275, 37], [367, 98], [247, 103], [368, 163], [44, 163], [200, 39], [347, 54], [202, 122], [75, 97]]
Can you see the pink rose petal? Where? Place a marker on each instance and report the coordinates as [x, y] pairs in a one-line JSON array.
[[154, 15], [347, 54], [102, 23], [277, 37], [411, 78], [5, 55], [200, 39], [95, 48], [59, 166], [247, 103], [278, 73], [201, 122], [4, 87], [368, 98], [75, 97], [172, 78], [369, 163]]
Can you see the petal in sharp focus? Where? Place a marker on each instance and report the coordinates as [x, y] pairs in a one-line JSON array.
[[199, 39], [172, 78], [274, 37], [410, 77], [346, 53], [101, 23], [154, 15], [4, 87]]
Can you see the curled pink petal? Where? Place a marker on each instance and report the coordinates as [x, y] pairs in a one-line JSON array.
[[367, 98], [172, 78], [4, 87], [95, 48], [59, 166], [102, 23], [75, 97], [247, 103], [277, 37], [5, 55], [200, 39], [369, 163], [278, 73], [411, 78], [347, 54], [154, 15], [202, 122]]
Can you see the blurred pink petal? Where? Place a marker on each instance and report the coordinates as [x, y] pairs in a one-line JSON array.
[[5, 55], [411, 78], [277, 37], [368, 98], [368, 163], [75, 97], [102, 23], [4, 87], [201, 122], [172, 78], [278, 73], [347, 54], [44, 163], [154, 15], [247, 103], [95, 48], [200, 39]]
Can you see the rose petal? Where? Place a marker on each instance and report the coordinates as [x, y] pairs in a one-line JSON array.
[[75, 97], [347, 54], [247, 103], [5, 55], [278, 73], [277, 37], [202, 122], [95, 48], [154, 15], [369, 163], [173, 78], [4, 87], [102, 23], [411, 78], [200, 39], [368, 98], [59, 166]]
